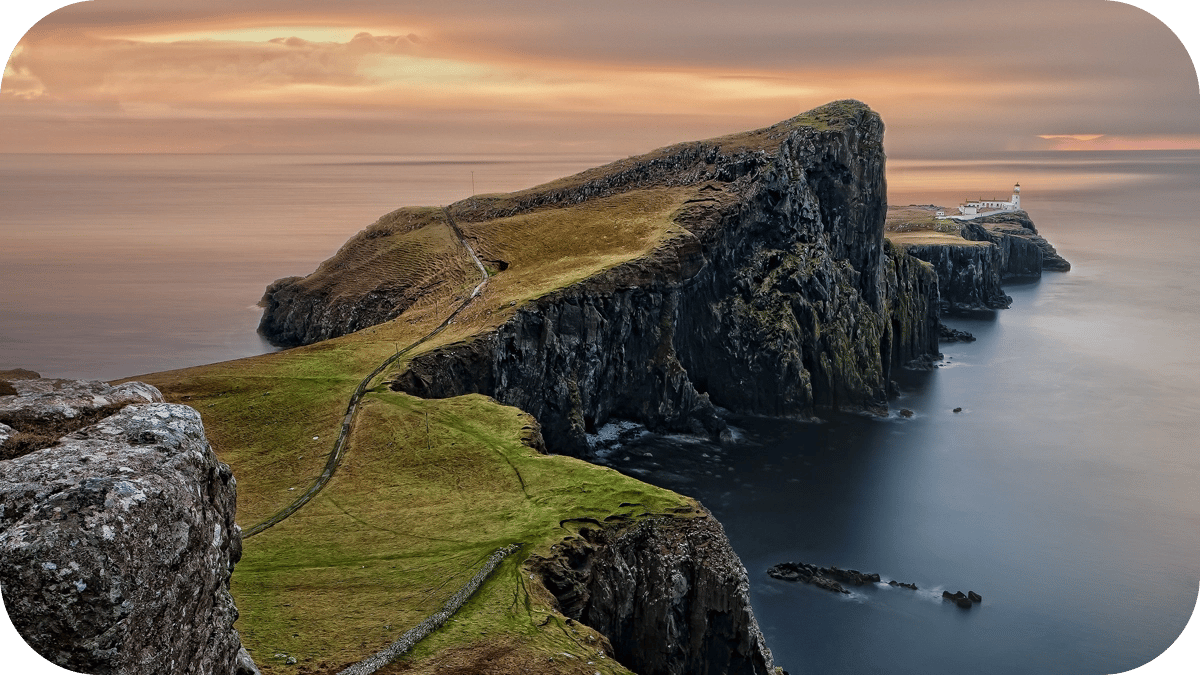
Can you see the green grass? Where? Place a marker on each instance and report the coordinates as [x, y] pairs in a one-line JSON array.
[[409, 517]]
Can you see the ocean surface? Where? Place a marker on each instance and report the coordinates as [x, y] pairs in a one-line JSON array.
[[1065, 492]]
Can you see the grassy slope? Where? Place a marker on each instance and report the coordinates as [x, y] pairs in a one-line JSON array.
[[407, 518], [917, 225]]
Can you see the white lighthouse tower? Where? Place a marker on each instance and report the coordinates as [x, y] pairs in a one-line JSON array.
[[1016, 198]]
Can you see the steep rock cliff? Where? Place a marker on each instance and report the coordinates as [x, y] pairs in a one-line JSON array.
[[969, 273], [1020, 258], [779, 298], [1016, 234], [668, 592], [117, 543]]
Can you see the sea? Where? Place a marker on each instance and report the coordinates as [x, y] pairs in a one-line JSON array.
[[1065, 490]]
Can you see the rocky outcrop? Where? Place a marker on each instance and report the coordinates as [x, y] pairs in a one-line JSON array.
[[781, 297], [969, 274], [117, 542], [829, 577], [668, 593], [1016, 234]]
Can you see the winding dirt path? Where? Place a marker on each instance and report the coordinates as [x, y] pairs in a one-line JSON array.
[[339, 446]]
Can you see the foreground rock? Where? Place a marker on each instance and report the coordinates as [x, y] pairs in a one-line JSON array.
[[37, 412], [117, 543], [669, 593]]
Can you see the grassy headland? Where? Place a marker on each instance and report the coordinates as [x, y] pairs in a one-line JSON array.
[[429, 488]]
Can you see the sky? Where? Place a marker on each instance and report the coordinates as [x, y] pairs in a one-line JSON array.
[[950, 78]]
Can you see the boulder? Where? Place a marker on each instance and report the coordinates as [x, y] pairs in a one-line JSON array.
[[117, 542], [35, 413]]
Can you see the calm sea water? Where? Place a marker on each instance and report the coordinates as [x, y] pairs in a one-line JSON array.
[[115, 265], [1065, 492]]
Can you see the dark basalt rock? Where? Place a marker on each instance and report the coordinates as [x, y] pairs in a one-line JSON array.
[[781, 298], [969, 276], [669, 593], [1017, 236], [827, 577], [964, 601], [948, 334]]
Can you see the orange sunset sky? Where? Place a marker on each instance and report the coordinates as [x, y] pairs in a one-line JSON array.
[[951, 79]]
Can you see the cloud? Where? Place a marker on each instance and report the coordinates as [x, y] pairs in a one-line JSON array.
[[947, 76]]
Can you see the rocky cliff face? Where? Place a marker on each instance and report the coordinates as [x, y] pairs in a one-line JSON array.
[[969, 274], [668, 593], [118, 541], [1024, 252], [779, 299]]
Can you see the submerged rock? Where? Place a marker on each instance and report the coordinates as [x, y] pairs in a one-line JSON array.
[[828, 577], [948, 334], [117, 542]]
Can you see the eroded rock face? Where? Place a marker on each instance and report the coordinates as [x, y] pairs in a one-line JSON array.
[[780, 298], [969, 275], [668, 592], [117, 544], [1016, 234]]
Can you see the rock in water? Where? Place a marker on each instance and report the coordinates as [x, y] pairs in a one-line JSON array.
[[117, 544]]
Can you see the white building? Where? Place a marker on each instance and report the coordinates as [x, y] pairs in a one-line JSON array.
[[983, 207]]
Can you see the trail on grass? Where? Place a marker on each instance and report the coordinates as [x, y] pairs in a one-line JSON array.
[[339, 446]]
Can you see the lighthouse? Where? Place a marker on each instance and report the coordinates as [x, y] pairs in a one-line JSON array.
[[1016, 198]]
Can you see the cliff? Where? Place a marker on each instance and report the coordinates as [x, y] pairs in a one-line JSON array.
[[774, 294], [668, 593], [117, 542], [968, 272], [1025, 253], [974, 258]]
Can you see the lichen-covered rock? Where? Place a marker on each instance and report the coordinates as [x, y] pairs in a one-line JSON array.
[[669, 593], [117, 544], [48, 401], [40, 411]]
